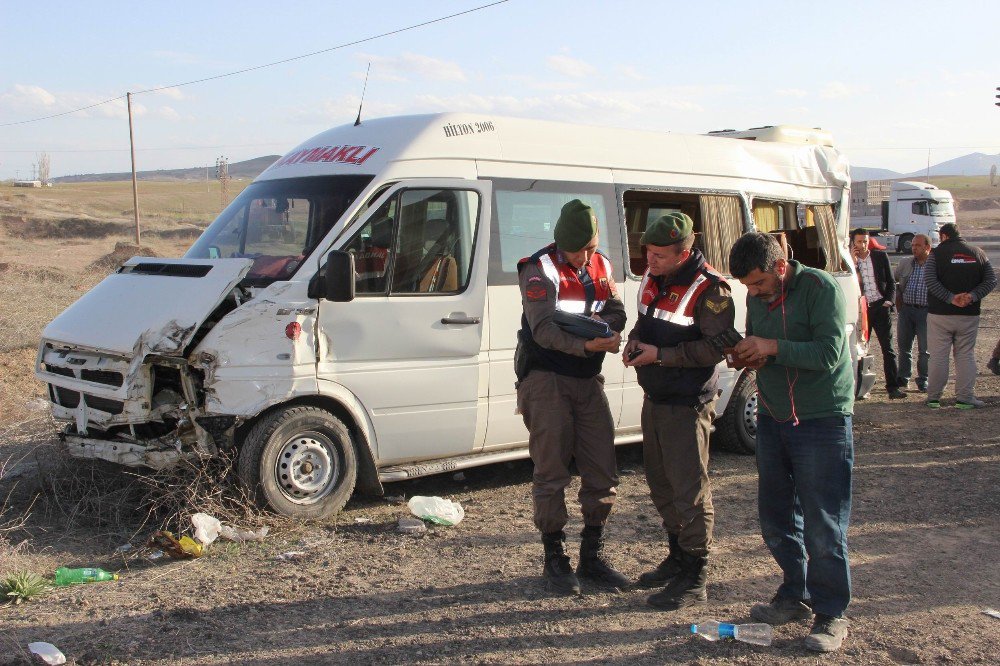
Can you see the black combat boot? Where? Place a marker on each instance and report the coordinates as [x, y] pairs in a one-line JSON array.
[[667, 569], [686, 588], [594, 566], [558, 572]]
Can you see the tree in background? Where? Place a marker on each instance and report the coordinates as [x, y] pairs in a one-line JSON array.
[[43, 168]]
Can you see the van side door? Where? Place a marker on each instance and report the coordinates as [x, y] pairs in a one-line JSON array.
[[408, 345]]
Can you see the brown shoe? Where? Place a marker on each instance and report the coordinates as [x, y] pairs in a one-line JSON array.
[[828, 633], [781, 610]]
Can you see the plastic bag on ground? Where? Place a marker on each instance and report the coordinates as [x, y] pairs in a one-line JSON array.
[[47, 653], [239, 535], [436, 510], [206, 528]]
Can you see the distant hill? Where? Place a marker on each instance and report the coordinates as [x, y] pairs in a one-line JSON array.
[[246, 169], [872, 173], [974, 164]]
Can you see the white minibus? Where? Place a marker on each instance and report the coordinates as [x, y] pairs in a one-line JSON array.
[[350, 318]]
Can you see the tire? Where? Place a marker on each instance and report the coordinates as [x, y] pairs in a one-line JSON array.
[[736, 431], [905, 245], [299, 462]]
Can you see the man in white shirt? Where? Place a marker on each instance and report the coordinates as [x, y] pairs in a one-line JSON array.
[[879, 288]]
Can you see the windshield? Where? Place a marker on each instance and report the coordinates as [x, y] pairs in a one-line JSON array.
[[942, 208], [277, 223]]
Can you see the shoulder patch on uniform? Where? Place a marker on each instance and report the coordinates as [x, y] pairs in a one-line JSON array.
[[536, 290], [716, 306]]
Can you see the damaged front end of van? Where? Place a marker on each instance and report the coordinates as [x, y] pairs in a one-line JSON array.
[[120, 367]]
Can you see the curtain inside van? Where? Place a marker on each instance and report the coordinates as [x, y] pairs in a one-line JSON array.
[[765, 216], [721, 225], [826, 227]]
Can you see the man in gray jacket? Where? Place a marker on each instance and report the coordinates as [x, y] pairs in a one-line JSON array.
[[911, 304]]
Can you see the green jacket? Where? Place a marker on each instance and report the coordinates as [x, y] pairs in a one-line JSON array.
[[813, 364]]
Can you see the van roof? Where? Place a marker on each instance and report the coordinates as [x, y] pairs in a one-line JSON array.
[[369, 147]]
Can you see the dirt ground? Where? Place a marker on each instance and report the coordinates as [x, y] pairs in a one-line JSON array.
[[924, 539]]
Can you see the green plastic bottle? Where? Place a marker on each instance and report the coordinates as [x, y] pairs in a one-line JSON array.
[[66, 576]]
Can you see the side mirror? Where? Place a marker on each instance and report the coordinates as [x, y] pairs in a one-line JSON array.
[[339, 279]]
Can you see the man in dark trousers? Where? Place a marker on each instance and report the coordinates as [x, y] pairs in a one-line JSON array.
[[879, 288], [797, 340], [685, 320], [560, 394], [911, 304], [959, 276]]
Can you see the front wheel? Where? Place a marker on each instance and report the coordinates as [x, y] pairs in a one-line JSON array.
[[299, 462], [737, 429]]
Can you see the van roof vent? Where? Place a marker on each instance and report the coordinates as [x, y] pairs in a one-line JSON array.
[[780, 134], [172, 270]]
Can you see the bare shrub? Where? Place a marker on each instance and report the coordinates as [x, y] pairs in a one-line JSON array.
[[99, 495]]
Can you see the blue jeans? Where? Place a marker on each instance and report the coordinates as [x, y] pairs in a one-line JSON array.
[[912, 322], [804, 499]]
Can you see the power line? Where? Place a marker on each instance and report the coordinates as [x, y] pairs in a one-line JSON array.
[[64, 113], [270, 64], [125, 150], [332, 48]]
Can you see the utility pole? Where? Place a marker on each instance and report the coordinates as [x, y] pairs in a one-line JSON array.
[[222, 173], [135, 187]]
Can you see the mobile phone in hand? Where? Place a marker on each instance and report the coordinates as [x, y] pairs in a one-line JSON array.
[[635, 353], [733, 360]]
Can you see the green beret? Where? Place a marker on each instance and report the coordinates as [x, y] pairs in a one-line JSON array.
[[577, 226], [667, 230]]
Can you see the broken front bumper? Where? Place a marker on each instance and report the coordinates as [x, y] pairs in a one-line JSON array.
[[135, 412], [121, 452]]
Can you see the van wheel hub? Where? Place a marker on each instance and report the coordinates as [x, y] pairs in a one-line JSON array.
[[306, 467], [750, 415]]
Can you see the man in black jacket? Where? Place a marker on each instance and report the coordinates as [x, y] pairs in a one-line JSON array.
[[879, 288], [959, 277], [685, 320]]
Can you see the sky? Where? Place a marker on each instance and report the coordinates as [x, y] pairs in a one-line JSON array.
[[895, 82]]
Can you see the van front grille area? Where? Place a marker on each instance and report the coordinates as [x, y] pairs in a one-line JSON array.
[[71, 400], [106, 377]]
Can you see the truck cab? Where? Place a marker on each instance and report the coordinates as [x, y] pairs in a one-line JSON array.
[[910, 208]]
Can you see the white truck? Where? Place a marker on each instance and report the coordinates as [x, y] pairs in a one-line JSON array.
[[911, 208], [350, 318]]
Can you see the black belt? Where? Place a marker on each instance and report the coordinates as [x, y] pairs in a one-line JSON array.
[[911, 305]]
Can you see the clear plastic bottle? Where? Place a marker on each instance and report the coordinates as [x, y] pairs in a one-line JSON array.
[[757, 634], [66, 576]]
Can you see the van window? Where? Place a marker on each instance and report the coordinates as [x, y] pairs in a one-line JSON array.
[[417, 242], [718, 221], [807, 232], [277, 223], [524, 219]]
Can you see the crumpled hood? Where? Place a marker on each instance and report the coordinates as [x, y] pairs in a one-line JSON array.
[[151, 302]]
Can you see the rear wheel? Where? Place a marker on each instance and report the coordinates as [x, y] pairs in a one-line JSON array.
[[737, 429], [905, 244], [299, 462]]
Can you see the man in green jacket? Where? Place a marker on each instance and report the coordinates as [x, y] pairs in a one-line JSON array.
[[797, 340]]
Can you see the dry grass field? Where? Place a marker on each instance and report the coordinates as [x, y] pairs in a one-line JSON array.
[[924, 535], [978, 204]]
